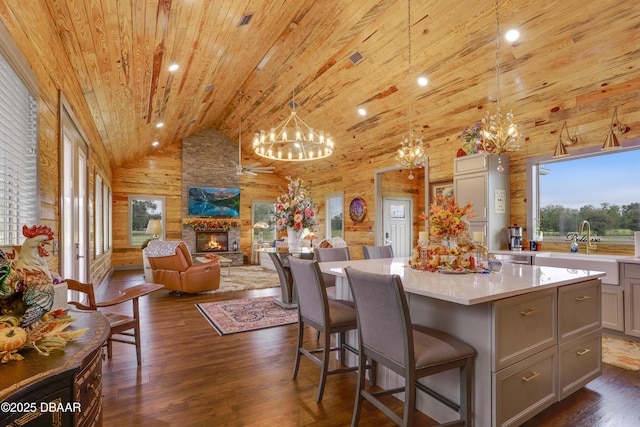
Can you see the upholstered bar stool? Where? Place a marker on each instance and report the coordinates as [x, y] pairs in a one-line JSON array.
[[372, 252], [331, 254], [386, 335], [325, 315]]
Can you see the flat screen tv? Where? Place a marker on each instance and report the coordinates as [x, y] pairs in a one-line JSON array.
[[214, 201]]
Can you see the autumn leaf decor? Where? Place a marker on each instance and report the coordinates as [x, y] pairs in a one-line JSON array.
[[447, 219], [210, 223], [450, 244]]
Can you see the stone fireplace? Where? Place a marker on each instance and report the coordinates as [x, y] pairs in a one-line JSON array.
[[216, 171]]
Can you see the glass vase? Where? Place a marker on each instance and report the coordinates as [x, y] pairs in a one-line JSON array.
[[293, 239]]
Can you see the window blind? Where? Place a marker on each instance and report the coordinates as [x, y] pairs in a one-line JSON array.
[[18, 156]]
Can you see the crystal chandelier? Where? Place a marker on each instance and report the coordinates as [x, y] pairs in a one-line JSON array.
[[293, 139], [500, 135], [412, 153]]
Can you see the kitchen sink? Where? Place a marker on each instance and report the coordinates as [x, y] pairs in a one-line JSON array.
[[579, 261]]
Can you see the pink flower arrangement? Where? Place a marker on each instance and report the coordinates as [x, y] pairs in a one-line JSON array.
[[295, 208]]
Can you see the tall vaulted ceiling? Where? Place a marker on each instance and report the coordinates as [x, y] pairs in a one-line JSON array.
[[229, 73]]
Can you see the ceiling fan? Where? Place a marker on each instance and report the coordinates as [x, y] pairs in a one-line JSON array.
[[252, 169]]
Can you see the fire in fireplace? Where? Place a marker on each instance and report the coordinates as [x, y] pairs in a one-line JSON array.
[[212, 241]]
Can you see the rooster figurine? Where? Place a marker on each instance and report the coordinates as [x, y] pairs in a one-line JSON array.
[[26, 287]]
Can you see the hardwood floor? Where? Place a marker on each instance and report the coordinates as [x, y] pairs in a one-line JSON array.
[[191, 376]]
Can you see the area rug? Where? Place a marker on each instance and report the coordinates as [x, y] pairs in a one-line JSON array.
[[621, 352], [248, 314], [245, 278]]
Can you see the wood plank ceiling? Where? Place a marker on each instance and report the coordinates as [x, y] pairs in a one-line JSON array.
[[121, 51]]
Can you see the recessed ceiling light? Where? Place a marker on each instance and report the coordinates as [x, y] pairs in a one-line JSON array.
[[155, 143], [362, 111], [512, 35], [159, 124], [173, 67], [423, 81]]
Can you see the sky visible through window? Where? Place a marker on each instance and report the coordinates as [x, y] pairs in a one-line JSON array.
[[613, 178]]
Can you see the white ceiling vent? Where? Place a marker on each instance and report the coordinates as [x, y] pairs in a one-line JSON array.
[[356, 57], [245, 19]]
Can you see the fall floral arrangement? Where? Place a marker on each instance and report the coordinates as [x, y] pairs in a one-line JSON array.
[[447, 218], [295, 208], [210, 223], [45, 335], [450, 244]]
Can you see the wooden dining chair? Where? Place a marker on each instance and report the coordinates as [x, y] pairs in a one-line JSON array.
[[122, 326], [386, 336]]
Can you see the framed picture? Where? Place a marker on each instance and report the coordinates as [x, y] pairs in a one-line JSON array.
[[357, 210], [442, 189], [214, 201]]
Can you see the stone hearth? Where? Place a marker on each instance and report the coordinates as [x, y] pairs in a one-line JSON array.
[[217, 171]]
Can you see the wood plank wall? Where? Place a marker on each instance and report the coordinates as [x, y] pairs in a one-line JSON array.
[[33, 31], [541, 117]]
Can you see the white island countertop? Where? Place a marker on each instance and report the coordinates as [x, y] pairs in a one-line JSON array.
[[470, 288]]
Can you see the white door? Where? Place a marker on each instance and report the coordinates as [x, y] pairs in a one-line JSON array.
[[398, 225], [73, 234]]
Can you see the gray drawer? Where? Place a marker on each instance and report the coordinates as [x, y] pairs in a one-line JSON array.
[[631, 270], [580, 309], [524, 325], [580, 361], [526, 388]]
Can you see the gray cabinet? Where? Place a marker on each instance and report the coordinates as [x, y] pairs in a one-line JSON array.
[[546, 345], [631, 280], [613, 307], [477, 180]]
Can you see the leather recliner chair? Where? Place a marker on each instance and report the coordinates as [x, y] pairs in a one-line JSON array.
[[173, 267]]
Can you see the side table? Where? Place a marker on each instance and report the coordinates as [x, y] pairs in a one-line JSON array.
[[224, 262]]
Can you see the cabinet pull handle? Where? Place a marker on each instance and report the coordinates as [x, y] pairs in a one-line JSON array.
[[91, 386], [529, 312], [583, 298], [533, 375], [583, 352]]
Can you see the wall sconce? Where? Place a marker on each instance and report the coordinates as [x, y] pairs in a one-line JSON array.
[[154, 226], [561, 148], [616, 128]]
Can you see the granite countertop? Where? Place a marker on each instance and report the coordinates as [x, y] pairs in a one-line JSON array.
[[470, 288]]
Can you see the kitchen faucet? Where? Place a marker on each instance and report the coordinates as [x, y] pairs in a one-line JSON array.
[[589, 244]]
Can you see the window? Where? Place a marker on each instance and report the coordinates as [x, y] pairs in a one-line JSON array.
[[106, 215], [597, 186], [263, 211], [99, 214], [334, 203], [19, 196], [141, 209]]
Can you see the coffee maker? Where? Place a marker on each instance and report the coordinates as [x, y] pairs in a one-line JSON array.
[[515, 238]]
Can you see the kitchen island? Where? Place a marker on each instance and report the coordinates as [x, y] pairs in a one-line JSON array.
[[537, 332]]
